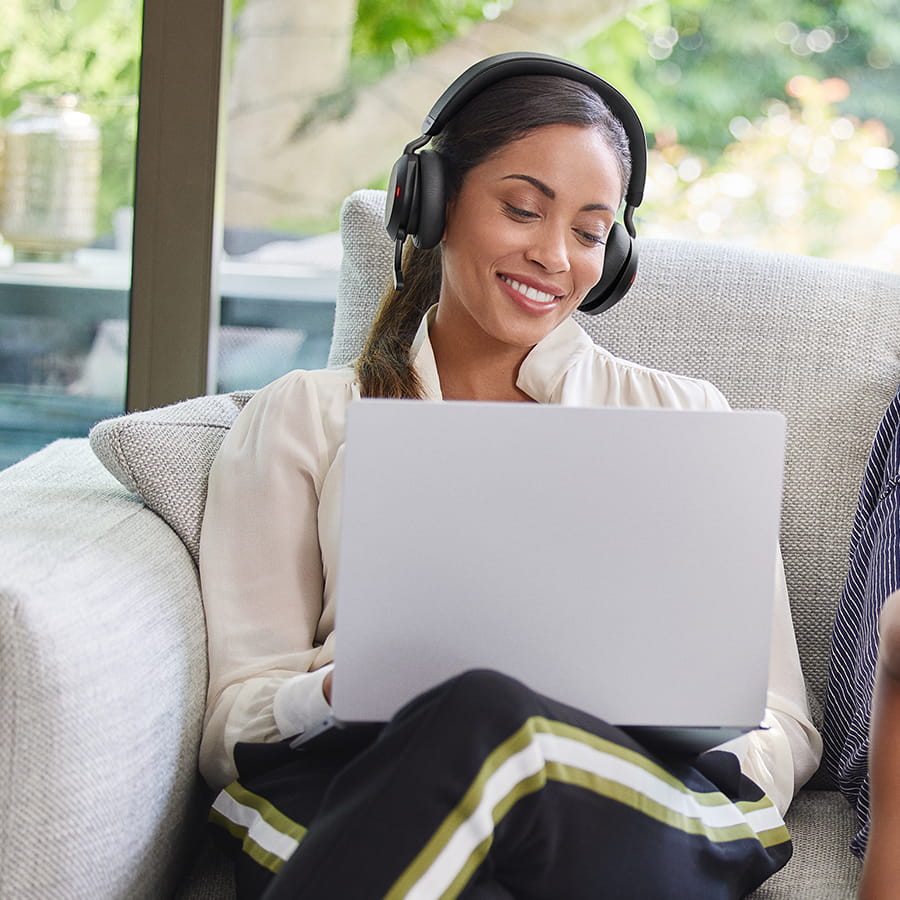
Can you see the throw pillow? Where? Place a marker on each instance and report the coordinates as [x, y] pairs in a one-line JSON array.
[[164, 456]]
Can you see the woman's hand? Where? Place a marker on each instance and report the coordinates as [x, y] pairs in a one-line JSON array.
[[326, 686]]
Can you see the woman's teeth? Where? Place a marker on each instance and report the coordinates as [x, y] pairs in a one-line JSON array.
[[530, 292]]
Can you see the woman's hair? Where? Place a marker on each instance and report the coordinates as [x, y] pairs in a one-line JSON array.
[[504, 112]]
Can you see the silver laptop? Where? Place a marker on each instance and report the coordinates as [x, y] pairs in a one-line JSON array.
[[618, 560]]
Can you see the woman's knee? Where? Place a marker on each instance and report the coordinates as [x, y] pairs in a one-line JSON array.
[[476, 709], [487, 687], [482, 695]]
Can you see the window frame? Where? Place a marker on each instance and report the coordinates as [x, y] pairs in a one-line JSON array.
[[174, 307]]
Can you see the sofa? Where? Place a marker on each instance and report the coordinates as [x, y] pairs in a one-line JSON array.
[[102, 642]]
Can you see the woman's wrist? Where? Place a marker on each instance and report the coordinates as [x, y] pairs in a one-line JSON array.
[[301, 701]]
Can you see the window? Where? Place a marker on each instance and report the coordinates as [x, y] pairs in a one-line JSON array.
[[68, 114], [256, 119]]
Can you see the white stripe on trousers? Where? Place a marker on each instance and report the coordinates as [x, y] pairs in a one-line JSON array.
[[544, 748]]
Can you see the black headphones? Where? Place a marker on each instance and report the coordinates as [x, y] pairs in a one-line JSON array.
[[416, 196]]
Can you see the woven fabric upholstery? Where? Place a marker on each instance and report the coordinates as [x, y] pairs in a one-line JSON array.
[[102, 685], [164, 455], [815, 339], [364, 274], [821, 868]]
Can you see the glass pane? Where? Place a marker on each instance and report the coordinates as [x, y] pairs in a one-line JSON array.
[[315, 112], [68, 115], [279, 268]]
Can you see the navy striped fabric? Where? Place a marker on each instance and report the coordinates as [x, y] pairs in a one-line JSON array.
[[874, 573]]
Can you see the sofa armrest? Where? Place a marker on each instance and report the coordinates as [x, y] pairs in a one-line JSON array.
[[102, 684]]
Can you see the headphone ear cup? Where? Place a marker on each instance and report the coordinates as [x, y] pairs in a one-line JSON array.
[[431, 199], [398, 207], [619, 270]]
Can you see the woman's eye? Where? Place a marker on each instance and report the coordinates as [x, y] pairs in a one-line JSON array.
[[590, 238], [518, 213]]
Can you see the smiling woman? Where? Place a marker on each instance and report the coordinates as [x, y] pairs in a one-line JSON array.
[[522, 248], [555, 163], [479, 787]]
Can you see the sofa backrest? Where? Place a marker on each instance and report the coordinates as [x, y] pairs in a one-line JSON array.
[[815, 339]]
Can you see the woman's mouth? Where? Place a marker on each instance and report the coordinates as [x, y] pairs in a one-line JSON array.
[[530, 293]]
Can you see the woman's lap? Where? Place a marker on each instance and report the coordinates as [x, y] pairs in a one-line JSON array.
[[482, 782]]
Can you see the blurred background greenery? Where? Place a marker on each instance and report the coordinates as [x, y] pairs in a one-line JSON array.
[[769, 122]]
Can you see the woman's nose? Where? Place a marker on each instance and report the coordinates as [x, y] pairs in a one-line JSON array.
[[549, 249]]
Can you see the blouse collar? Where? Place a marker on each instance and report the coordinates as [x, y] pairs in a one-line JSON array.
[[541, 374]]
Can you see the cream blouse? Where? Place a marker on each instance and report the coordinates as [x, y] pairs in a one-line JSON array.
[[270, 537]]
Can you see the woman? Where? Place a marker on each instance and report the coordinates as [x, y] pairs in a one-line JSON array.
[[536, 168]]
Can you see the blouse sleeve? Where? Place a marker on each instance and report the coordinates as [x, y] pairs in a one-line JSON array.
[[261, 565], [782, 755]]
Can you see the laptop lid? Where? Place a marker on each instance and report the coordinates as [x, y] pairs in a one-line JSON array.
[[618, 560]]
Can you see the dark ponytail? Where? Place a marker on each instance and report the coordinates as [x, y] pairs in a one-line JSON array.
[[504, 112], [384, 367]]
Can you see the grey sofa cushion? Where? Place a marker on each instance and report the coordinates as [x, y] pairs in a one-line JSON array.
[[164, 455], [364, 274], [821, 868]]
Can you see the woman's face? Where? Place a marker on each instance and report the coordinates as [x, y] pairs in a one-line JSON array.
[[524, 241]]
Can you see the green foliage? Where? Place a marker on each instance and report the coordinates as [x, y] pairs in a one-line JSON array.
[[90, 48], [390, 32], [693, 65], [800, 177], [770, 123]]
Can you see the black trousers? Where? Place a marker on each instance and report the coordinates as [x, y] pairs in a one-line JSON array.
[[482, 788]]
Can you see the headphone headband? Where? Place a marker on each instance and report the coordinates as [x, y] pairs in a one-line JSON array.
[[507, 65]]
